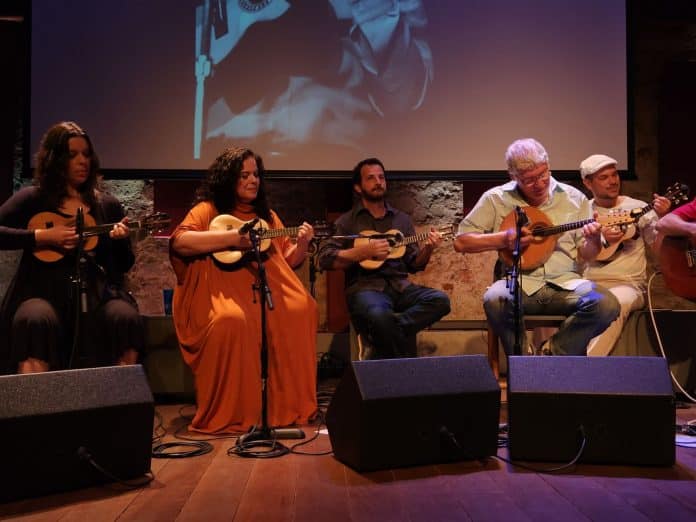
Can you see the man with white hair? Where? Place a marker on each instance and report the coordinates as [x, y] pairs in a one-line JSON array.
[[621, 265], [553, 286]]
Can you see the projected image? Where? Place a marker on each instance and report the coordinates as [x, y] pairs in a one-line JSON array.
[[375, 65], [315, 85]]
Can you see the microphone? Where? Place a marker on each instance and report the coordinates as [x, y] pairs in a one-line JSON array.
[[522, 218], [246, 227]]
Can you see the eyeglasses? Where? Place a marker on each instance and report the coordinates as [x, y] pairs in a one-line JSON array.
[[530, 182]]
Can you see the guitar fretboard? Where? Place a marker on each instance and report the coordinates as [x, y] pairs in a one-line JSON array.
[[102, 229], [269, 233], [558, 229]]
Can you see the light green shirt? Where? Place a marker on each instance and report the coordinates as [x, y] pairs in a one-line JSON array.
[[565, 204]]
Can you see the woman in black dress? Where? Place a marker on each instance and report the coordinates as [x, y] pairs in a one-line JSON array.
[[47, 320]]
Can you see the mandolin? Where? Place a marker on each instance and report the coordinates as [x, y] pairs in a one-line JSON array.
[[545, 234], [397, 243], [677, 257], [228, 222], [677, 193], [153, 223]]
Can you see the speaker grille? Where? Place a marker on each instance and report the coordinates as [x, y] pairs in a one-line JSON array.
[[403, 412], [51, 417], [623, 405]]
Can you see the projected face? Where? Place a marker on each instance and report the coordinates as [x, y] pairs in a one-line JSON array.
[[605, 184], [248, 182], [80, 156], [373, 184], [534, 184]]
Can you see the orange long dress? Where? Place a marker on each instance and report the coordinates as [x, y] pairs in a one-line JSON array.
[[218, 325]]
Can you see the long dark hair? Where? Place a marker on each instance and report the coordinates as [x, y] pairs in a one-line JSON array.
[[52, 158], [220, 184]]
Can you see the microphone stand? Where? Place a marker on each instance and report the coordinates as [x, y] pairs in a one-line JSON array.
[[80, 284], [263, 436], [515, 279]]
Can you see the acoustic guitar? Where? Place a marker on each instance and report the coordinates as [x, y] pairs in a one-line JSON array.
[[677, 257], [397, 243], [152, 223], [677, 193], [545, 234], [266, 234]]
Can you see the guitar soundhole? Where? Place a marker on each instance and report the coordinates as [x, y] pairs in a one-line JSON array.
[[49, 224]]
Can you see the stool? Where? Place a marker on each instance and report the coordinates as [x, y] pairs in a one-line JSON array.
[[530, 322]]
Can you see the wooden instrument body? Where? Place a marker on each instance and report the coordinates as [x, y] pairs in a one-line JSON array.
[[545, 234], [229, 222], [265, 233], [678, 264], [90, 231], [677, 193], [397, 243]]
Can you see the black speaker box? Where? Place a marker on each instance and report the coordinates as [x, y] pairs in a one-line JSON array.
[[50, 421], [622, 406], [405, 412]]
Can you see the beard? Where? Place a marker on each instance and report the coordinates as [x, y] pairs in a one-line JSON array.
[[374, 197]]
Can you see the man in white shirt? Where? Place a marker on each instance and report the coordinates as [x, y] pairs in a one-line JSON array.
[[553, 285], [621, 265]]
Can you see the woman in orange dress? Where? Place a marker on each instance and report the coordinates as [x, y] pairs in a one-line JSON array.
[[217, 313]]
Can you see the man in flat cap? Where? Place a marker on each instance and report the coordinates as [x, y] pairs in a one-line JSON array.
[[621, 264]]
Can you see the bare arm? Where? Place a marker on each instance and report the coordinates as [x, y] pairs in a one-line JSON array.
[[191, 243], [673, 225], [473, 242], [592, 244], [296, 254]]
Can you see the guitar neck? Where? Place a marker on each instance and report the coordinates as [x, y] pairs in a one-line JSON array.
[[559, 229], [638, 213], [102, 229], [269, 233], [415, 239]]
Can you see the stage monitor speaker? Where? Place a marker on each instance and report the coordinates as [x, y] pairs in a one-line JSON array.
[[622, 406], [404, 412], [50, 422]]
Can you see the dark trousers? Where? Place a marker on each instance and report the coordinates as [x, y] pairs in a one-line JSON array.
[[390, 319]]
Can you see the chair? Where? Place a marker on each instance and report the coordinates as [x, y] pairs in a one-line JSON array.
[[530, 322]]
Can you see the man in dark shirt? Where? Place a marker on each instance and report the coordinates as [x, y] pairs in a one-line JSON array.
[[386, 309]]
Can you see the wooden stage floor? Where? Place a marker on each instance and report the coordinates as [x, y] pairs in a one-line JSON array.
[[294, 487]]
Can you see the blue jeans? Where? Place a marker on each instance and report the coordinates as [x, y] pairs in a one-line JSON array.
[[390, 319], [590, 309]]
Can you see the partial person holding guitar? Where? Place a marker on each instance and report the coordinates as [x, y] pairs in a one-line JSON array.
[[216, 305], [378, 250], [677, 249], [41, 304], [551, 284], [621, 264]]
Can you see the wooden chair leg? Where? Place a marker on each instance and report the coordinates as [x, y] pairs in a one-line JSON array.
[[493, 351]]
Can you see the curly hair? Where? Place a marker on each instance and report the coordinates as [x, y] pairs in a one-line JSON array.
[[52, 159], [220, 184]]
